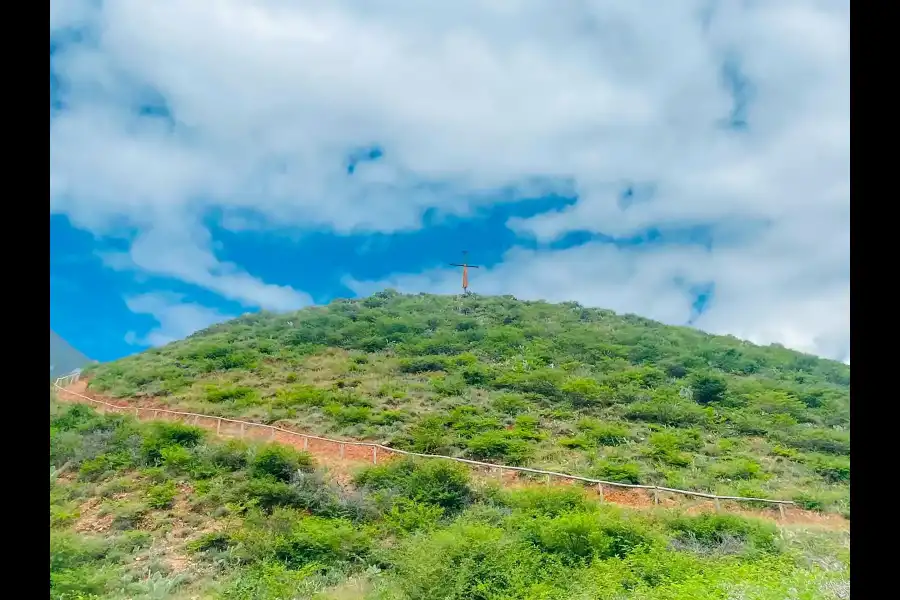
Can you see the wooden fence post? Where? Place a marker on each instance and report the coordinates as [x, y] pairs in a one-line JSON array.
[[781, 511], [718, 506], [342, 451], [242, 429], [272, 433], [655, 495], [374, 455], [155, 414], [600, 491], [547, 480], [218, 425], [305, 443]]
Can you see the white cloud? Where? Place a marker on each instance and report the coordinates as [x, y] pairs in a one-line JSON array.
[[270, 96], [177, 319]]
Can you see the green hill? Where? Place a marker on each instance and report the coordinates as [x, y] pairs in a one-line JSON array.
[[164, 510], [555, 386]]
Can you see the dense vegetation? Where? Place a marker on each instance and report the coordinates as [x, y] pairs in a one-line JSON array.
[[157, 510], [557, 386]]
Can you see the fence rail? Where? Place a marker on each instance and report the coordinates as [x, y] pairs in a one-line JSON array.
[[61, 383]]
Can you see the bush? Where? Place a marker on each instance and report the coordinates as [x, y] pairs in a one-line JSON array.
[[834, 470], [279, 462], [296, 540], [716, 531], [161, 496], [738, 468], [231, 455], [161, 435], [582, 391], [550, 502], [230, 394], [432, 481], [708, 388], [502, 446], [580, 538], [603, 434], [348, 415], [672, 413], [618, 472], [408, 515]]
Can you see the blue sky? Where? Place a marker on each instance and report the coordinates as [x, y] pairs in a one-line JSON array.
[[648, 161]]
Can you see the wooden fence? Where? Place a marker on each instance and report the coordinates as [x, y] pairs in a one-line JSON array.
[[370, 450]]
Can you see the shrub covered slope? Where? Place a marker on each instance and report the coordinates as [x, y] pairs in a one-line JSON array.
[[548, 385], [158, 510]]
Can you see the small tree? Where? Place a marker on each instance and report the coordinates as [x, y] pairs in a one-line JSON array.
[[709, 388]]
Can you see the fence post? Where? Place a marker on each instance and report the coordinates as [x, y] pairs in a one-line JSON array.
[[137, 413], [305, 443], [218, 425], [500, 473], [342, 451], [374, 455], [242, 429], [155, 414], [547, 480], [655, 495], [600, 491], [718, 506], [781, 511]]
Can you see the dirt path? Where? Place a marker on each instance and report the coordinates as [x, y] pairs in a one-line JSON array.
[[343, 459]]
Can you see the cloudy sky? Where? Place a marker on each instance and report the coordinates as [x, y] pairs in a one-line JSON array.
[[686, 161]]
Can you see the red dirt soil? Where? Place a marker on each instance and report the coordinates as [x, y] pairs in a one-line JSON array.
[[342, 459]]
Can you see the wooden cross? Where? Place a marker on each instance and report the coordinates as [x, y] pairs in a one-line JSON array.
[[465, 273]]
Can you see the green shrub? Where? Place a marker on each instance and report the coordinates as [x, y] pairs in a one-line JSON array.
[[423, 364], [713, 531], [301, 396], [708, 388], [603, 434], [580, 538], [510, 404], [672, 413], [161, 496], [237, 394], [231, 455], [296, 540], [279, 462], [348, 415], [408, 515], [432, 481], [161, 435], [616, 471], [502, 446], [582, 391], [550, 502], [834, 470], [818, 440], [737, 468]]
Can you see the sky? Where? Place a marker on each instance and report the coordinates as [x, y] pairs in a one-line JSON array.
[[685, 161]]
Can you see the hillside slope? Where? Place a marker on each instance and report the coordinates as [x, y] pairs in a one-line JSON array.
[[554, 386], [161, 510]]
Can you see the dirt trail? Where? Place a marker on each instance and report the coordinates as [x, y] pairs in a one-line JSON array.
[[343, 459]]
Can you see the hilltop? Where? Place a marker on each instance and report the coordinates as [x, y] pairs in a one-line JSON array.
[[556, 386]]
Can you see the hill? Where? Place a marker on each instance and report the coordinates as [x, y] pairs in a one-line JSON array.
[[64, 358], [161, 510], [555, 386]]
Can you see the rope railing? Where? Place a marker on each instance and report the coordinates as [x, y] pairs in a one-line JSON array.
[[62, 382]]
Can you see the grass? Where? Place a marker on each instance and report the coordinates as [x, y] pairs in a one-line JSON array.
[[559, 387], [232, 520]]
